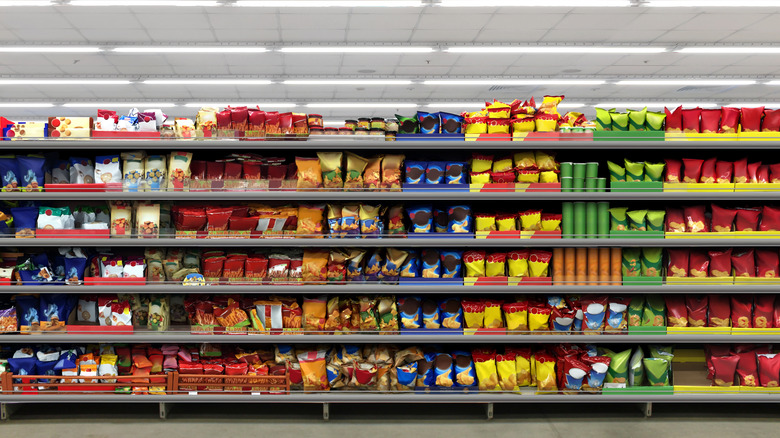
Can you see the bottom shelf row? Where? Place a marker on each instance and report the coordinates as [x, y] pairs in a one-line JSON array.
[[147, 369]]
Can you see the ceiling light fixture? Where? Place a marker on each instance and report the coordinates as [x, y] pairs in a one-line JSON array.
[[49, 49], [773, 83], [754, 104], [135, 3], [331, 4], [361, 105], [730, 50], [175, 49], [697, 82], [62, 82], [347, 82], [224, 105], [357, 49], [119, 104], [532, 3], [654, 105], [207, 82], [515, 82], [554, 49], [711, 4], [25, 105], [456, 105], [25, 3]]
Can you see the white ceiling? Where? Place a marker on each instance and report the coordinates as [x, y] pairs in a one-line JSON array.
[[111, 26]]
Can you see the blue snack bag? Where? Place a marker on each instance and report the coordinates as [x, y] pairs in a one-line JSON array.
[[431, 317], [451, 313], [426, 376], [54, 309], [421, 218], [440, 221], [373, 269], [9, 174], [456, 173], [74, 270], [25, 221], [459, 219], [451, 262], [429, 122], [411, 267], [435, 172], [465, 374], [415, 171], [431, 263], [410, 311], [444, 371], [31, 173], [27, 312], [450, 123]]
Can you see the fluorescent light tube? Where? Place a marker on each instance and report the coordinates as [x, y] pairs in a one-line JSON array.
[[754, 104], [224, 104], [571, 105], [711, 4], [207, 82], [119, 104], [330, 4], [49, 49], [134, 3], [25, 105], [556, 49], [174, 49], [361, 105], [773, 83], [456, 105], [638, 105], [356, 49], [347, 82], [62, 82], [24, 3], [700, 82], [531, 3], [515, 82], [730, 50]]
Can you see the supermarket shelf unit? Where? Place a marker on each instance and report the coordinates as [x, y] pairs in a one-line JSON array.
[[486, 399]]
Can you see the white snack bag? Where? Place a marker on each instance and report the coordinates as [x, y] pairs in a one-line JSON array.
[[107, 169], [86, 310]]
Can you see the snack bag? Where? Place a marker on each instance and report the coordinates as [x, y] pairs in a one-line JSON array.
[[451, 313], [507, 370], [330, 165], [545, 372], [313, 370], [486, 371], [654, 313], [618, 366]]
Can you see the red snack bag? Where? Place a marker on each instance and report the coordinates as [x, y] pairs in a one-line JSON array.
[[752, 172], [729, 120], [697, 310], [747, 368], [770, 219], [767, 263], [238, 119], [774, 173], [763, 311], [692, 170], [695, 219], [691, 120], [218, 218], [678, 263], [676, 312], [744, 263], [771, 121], [708, 173], [710, 121], [673, 170], [742, 311], [722, 219], [762, 174], [285, 123], [503, 177], [751, 119], [724, 369], [711, 351], [723, 170], [675, 220], [256, 266], [740, 171], [674, 121], [698, 264], [747, 219], [719, 311], [768, 370]]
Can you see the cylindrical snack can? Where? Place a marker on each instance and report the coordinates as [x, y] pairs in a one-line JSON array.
[[566, 184], [566, 170], [593, 266], [603, 220], [579, 220], [578, 184], [591, 169], [569, 268], [616, 267], [581, 274], [601, 184], [591, 222], [590, 184], [558, 261], [567, 211], [579, 170], [604, 268]]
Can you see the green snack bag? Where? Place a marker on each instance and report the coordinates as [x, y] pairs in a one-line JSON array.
[[604, 119], [654, 314], [616, 172], [654, 172], [655, 220], [618, 366], [631, 263], [636, 371], [636, 220], [619, 121], [662, 352], [657, 371], [635, 308], [407, 125], [617, 218], [652, 262], [654, 121], [636, 119], [635, 171]]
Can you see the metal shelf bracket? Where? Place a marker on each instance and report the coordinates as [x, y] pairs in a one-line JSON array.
[[4, 412], [489, 411], [326, 411], [648, 410], [165, 409]]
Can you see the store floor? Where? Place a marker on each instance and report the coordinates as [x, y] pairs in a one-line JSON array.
[[88, 421]]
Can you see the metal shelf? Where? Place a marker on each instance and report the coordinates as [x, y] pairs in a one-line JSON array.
[[400, 397], [427, 242], [442, 338], [352, 143], [324, 196], [379, 289]]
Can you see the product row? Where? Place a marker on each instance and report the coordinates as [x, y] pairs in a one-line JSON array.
[[696, 219], [695, 171], [691, 120]]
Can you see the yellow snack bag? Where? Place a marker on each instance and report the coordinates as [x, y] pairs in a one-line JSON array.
[[545, 372], [517, 262], [545, 161], [548, 176], [480, 177], [539, 262], [523, 123], [498, 110], [525, 160], [531, 220], [507, 371], [506, 222], [487, 374], [550, 105], [531, 370], [516, 316], [493, 316], [523, 367], [503, 164], [473, 314], [485, 222], [528, 175], [495, 264], [539, 318], [551, 222], [481, 163]]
